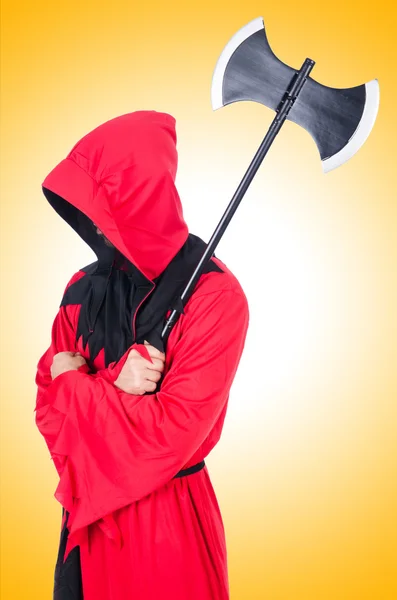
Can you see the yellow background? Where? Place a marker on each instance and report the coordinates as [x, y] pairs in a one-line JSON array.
[[306, 470]]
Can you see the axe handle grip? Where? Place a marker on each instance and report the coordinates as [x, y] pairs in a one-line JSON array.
[[283, 109]]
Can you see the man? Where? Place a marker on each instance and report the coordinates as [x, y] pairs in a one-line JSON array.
[[140, 517]]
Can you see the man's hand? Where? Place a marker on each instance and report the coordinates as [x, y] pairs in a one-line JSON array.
[[138, 375], [66, 361]]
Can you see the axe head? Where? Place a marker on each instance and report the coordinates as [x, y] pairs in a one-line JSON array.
[[339, 120]]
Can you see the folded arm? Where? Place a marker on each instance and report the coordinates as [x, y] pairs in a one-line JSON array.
[[112, 448]]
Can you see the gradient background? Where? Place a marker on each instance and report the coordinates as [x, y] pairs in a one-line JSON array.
[[306, 470]]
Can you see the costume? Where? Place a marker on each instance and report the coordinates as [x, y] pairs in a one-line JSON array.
[[134, 521]]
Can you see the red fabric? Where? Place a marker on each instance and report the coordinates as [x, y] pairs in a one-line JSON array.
[[121, 175], [141, 533]]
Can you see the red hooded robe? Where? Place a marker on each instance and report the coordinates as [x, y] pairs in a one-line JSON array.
[[142, 532]]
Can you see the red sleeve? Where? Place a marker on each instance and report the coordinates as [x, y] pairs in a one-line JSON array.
[[62, 340], [118, 447]]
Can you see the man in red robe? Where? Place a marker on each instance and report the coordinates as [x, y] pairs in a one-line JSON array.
[[140, 519]]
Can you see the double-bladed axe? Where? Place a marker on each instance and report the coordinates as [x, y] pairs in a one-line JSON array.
[[339, 120]]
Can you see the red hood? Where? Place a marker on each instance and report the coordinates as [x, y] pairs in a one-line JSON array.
[[121, 176]]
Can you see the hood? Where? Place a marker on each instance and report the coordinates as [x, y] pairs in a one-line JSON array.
[[121, 177]]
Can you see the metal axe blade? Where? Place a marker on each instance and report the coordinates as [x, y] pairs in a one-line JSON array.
[[339, 120]]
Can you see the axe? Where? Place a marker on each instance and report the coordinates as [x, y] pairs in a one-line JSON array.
[[339, 120]]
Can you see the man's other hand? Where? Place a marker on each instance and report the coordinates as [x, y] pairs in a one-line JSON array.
[[138, 375], [66, 361]]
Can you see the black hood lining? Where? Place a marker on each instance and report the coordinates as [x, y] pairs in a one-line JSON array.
[[82, 225], [86, 229]]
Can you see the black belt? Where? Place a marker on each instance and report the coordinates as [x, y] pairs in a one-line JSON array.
[[190, 470]]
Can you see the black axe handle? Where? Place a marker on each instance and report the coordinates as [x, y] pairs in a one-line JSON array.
[[282, 111]]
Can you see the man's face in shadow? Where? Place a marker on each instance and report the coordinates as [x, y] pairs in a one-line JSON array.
[[105, 239]]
